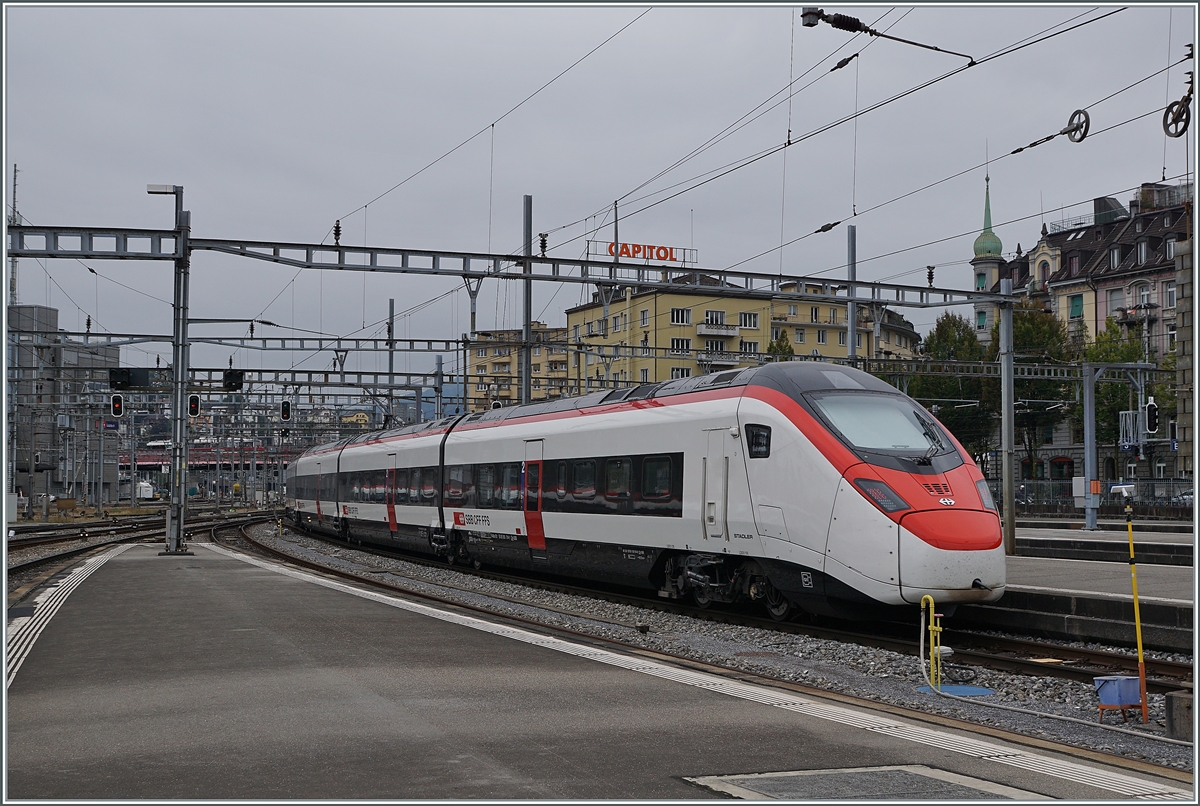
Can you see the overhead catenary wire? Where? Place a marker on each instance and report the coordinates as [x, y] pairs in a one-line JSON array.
[[745, 162]]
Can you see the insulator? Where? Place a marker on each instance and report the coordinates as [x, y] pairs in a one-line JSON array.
[[543, 239], [337, 233], [846, 23]]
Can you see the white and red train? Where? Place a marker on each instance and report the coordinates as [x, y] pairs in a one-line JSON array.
[[801, 485]]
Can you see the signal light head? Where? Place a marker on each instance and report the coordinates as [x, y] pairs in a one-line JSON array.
[[117, 405], [285, 410], [193, 405]]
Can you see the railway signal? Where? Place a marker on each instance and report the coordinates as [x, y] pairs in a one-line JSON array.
[[116, 405], [285, 410], [1151, 417], [193, 405], [232, 380]]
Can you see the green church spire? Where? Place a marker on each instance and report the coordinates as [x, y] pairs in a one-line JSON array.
[[987, 244]]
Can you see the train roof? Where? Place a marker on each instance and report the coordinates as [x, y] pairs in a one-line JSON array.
[[789, 377]]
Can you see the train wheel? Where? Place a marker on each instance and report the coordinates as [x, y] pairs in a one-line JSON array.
[[779, 607], [701, 597]]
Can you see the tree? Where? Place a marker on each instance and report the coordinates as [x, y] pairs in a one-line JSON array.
[[780, 346], [953, 339], [1038, 338]]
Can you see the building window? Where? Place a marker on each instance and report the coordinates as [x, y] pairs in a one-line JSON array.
[[1171, 248], [645, 318], [715, 345], [799, 335], [1114, 257], [1073, 263], [1116, 299], [536, 367], [1143, 295], [1044, 271], [1062, 468], [1140, 225], [776, 332], [822, 337], [1131, 469], [645, 376], [1170, 295], [616, 324], [681, 316], [1076, 302], [842, 338], [537, 350], [833, 316], [858, 340], [748, 320], [481, 352], [681, 372], [980, 320], [980, 281], [576, 332], [748, 346], [1170, 338], [815, 314], [1160, 469], [1143, 252], [792, 310], [714, 317], [680, 345]]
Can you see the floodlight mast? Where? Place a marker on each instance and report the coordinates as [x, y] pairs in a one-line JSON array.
[[177, 510]]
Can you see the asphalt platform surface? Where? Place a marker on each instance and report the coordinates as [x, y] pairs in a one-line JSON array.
[[208, 677]]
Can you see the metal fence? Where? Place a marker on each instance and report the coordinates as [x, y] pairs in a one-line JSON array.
[[1168, 497]]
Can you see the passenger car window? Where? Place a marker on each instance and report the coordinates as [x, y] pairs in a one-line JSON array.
[[617, 474], [585, 479], [656, 477]]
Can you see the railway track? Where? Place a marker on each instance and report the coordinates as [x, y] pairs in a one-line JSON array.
[[995, 652], [108, 535]]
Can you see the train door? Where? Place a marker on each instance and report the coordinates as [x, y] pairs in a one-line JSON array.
[[317, 492], [532, 500], [390, 492], [716, 486]]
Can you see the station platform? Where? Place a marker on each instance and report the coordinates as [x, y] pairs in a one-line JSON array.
[[1110, 544], [1093, 599], [217, 676]]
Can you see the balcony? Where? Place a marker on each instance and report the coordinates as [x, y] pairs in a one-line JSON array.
[[710, 329], [720, 358]]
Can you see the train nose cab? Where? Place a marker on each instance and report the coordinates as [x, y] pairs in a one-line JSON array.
[[947, 539]]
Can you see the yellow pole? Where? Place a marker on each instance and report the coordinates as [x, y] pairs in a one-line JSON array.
[[1137, 618], [935, 644]]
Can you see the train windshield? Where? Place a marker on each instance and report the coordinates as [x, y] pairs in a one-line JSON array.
[[885, 423]]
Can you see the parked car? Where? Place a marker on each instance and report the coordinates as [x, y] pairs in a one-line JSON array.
[[1184, 498]]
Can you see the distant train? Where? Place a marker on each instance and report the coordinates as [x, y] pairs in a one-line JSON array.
[[799, 485]]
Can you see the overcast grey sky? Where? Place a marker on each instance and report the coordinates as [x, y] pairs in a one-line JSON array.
[[279, 120]]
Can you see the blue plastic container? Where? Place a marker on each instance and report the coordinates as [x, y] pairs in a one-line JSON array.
[[1119, 690]]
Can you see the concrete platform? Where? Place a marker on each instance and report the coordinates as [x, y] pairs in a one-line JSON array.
[[1108, 545], [1093, 601], [213, 677]]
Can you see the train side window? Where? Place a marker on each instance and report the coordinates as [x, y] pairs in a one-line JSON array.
[[487, 486], [510, 488], [414, 486], [656, 477], [585, 479], [380, 487], [758, 440], [454, 483], [560, 488], [429, 486], [617, 473], [401, 486]]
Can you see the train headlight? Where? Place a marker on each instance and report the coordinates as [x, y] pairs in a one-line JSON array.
[[882, 495], [985, 495]]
